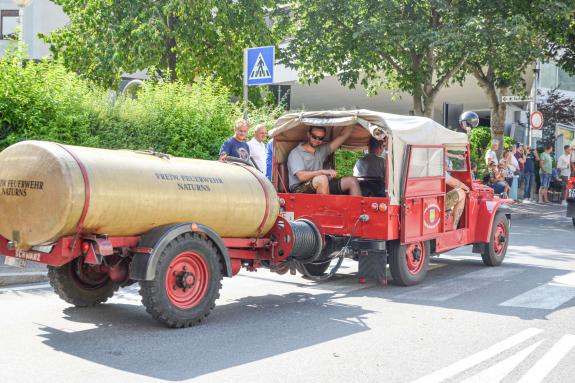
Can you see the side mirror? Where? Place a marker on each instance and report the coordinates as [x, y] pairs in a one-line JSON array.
[[468, 120]]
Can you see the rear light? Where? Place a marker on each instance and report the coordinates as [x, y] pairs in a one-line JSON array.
[[382, 207], [375, 206], [85, 247], [282, 202]]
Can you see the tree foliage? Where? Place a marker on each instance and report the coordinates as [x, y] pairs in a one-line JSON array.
[[556, 108], [174, 38], [412, 46]]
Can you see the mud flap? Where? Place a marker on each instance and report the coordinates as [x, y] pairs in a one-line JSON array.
[[373, 266]]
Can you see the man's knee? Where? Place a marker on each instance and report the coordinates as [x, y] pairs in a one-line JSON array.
[[321, 184]]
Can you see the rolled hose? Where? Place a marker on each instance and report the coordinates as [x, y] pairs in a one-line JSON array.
[[307, 241]]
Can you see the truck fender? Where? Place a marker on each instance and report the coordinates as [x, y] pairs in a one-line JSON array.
[[143, 265], [486, 213]]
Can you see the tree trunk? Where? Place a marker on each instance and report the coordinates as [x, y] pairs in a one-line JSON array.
[[171, 57], [418, 104], [498, 109]]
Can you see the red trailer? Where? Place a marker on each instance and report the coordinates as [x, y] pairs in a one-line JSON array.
[[179, 265]]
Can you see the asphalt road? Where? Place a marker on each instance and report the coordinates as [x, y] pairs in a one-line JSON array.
[[466, 322]]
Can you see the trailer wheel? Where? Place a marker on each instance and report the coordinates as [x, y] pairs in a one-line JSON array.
[[495, 250], [186, 284], [408, 263], [81, 284]]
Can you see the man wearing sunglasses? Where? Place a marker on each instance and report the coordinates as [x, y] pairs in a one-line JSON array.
[[305, 165]]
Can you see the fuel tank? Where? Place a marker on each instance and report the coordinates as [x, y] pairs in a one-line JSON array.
[[49, 190]]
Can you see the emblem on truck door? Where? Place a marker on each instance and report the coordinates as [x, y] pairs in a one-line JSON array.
[[431, 216]]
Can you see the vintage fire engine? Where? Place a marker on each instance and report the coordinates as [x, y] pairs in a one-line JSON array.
[[103, 219]]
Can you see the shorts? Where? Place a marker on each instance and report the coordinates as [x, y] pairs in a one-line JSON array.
[[451, 199], [307, 187], [545, 180]]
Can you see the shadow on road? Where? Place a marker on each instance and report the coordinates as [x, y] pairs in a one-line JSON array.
[[128, 340]]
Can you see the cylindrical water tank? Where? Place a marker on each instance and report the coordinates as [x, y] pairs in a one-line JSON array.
[[49, 190]]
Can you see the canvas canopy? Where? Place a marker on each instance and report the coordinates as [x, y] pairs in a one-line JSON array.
[[400, 131]]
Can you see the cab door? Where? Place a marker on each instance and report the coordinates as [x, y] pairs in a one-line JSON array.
[[423, 193]]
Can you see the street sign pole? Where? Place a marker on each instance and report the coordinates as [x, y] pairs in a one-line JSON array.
[[245, 84]]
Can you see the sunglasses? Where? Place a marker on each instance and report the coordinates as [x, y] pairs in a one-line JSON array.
[[319, 138]]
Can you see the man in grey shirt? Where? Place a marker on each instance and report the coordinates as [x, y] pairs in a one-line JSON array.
[[305, 165], [372, 166]]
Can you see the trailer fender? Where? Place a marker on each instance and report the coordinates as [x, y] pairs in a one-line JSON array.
[[486, 215], [145, 261]]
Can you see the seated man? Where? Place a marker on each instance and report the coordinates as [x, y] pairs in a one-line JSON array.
[[305, 165], [372, 165], [455, 198]]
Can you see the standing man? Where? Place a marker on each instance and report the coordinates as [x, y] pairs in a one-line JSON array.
[[305, 165], [546, 165], [269, 158], [564, 166], [258, 148], [236, 145], [491, 155]]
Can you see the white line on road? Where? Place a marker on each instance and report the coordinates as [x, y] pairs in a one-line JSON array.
[[548, 296], [27, 287], [499, 371], [544, 365], [454, 287], [479, 357]]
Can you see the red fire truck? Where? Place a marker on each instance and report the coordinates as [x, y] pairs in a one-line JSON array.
[[172, 225]]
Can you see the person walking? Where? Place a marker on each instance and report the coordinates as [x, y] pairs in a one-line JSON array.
[[564, 166], [546, 168], [520, 156], [528, 173]]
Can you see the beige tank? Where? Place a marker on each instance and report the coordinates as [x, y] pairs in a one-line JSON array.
[[43, 193]]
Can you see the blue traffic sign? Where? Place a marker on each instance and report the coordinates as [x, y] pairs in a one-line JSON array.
[[260, 68]]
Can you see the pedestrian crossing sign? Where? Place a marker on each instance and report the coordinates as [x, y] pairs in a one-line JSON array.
[[260, 65]]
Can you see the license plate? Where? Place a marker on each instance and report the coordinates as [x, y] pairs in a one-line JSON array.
[[17, 262]]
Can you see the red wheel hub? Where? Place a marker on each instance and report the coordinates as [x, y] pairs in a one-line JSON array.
[[187, 280], [415, 257], [500, 239]]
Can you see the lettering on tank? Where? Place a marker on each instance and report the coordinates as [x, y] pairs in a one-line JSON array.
[[189, 183], [19, 188]]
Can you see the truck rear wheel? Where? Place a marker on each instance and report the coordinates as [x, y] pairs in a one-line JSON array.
[[81, 284], [186, 284], [495, 250], [408, 263]]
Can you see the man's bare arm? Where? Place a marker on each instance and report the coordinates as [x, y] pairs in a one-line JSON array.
[[338, 141]]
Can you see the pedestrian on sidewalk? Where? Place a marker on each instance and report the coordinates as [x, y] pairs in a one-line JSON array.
[[564, 166], [258, 147], [520, 156], [546, 168], [528, 173]]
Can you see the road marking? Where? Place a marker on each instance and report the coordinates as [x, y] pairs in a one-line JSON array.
[[439, 292], [544, 365], [548, 296], [499, 371], [479, 357], [27, 287]]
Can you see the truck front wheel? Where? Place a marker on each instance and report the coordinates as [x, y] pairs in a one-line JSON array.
[[186, 284], [81, 284], [408, 263], [495, 250]]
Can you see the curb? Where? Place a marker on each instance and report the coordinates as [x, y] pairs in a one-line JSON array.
[[22, 277]]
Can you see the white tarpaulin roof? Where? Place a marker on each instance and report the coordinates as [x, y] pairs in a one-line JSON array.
[[400, 130]]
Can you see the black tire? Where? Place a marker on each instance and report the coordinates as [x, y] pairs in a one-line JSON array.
[[494, 252], [184, 305], [410, 273], [81, 284]]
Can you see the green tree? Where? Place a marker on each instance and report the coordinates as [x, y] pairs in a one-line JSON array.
[[177, 39], [511, 37], [412, 46]]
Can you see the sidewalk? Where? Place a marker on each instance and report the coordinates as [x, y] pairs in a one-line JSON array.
[[12, 275], [528, 210]]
